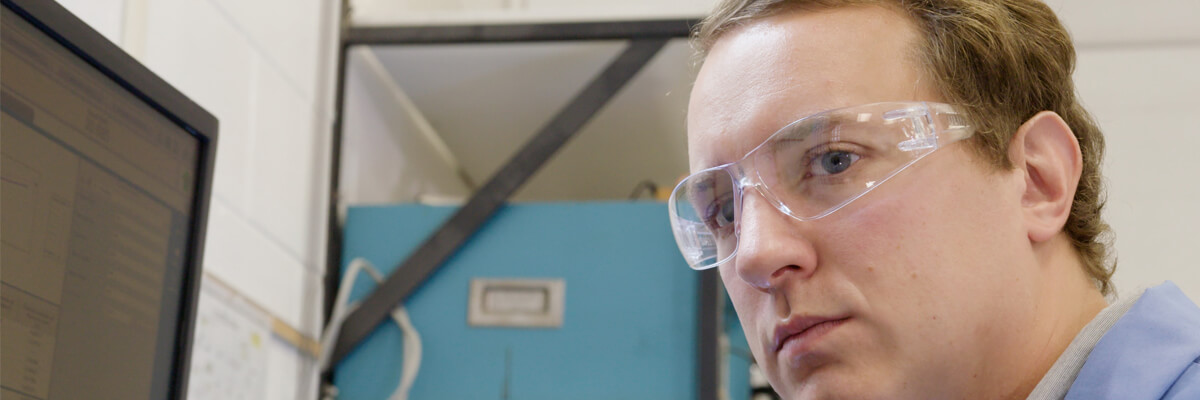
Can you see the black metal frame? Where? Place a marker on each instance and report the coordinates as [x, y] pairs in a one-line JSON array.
[[334, 236], [708, 334], [545, 32], [645, 37], [92, 47]]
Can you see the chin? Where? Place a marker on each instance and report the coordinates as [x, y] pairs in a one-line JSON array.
[[833, 384], [813, 393]]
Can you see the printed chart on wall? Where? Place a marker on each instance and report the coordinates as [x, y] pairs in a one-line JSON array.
[[229, 356]]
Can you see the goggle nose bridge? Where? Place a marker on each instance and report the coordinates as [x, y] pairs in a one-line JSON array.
[[747, 181]]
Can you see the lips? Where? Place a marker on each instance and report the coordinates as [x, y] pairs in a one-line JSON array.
[[803, 326]]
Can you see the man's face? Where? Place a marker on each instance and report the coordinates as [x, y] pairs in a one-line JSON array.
[[922, 284]]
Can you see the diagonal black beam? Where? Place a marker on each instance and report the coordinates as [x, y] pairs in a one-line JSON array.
[[454, 232]]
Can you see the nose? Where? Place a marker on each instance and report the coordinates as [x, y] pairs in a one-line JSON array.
[[772, 248]]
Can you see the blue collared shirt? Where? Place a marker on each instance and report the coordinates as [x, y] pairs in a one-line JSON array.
[[1152, 352]]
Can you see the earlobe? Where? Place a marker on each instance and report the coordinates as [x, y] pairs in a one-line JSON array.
[[1046, 151]]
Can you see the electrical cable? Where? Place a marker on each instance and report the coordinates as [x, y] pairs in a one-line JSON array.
[[643, 186], [341, 308]]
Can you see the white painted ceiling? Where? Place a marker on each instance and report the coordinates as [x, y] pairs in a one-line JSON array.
[[487, 100]]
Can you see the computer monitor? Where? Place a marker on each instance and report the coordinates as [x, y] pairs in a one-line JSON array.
[[106, 174]]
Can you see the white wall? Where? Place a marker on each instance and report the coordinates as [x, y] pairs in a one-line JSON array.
[[392, 154], [1136, 73], [266, 69]]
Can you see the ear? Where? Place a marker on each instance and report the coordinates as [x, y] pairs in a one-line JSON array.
[[1046, 152]]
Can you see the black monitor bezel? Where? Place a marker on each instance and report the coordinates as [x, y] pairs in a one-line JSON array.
[[85, 42]]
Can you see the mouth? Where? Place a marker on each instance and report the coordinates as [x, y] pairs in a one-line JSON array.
[[804, 331]]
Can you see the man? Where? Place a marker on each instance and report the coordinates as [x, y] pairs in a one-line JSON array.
[[903, 199]]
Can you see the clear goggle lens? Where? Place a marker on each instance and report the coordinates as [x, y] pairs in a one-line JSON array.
[[807, 170]]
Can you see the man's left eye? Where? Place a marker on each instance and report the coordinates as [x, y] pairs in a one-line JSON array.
[[833, 162]]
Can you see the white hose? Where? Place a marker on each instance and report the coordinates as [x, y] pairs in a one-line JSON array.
[[412, 340]]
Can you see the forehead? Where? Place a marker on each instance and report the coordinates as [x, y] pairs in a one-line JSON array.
[[767, 73]]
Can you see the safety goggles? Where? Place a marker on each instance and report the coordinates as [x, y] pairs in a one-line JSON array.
[[808, 170]]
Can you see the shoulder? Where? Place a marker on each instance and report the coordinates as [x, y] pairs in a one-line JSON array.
[[1150, 353], [1187, 386]]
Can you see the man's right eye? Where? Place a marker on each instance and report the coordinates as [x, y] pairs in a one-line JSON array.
[[719, 215]]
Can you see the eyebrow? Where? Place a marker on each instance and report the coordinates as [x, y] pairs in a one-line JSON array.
[[825, 120], [817, 121]]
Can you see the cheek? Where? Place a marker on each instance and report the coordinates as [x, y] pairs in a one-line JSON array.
[[930, 258], [932, 226]]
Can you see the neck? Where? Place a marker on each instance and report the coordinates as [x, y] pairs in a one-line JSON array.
[[1067, 302]]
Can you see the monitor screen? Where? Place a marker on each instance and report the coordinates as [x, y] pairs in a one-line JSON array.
[[100, 199]]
